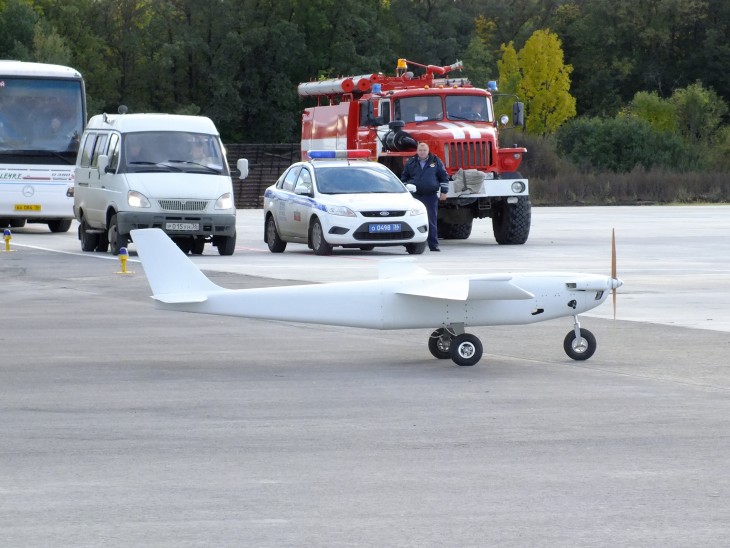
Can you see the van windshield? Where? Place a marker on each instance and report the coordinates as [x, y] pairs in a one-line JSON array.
[[172, 151]]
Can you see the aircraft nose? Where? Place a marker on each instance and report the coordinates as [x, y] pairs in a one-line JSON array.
[[616, 283]]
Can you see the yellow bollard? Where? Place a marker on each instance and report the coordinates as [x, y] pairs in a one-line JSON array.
[[7, 236], [123, 256]]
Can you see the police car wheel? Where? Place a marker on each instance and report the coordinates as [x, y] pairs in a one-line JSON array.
[[316, 236]]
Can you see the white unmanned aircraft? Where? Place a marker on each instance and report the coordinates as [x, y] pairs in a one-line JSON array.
[[404, 296]]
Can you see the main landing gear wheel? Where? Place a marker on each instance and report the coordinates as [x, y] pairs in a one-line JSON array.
[[439, 344], [579, 348], [466, 349]]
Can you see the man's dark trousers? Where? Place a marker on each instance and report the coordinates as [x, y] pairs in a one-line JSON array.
[[431, 201]]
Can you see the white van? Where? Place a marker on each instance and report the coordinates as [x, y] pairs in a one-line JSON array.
[[154, 170]]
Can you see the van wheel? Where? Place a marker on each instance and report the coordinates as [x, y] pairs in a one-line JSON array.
[[185, 244], [226, 244], [116, 240], [59, 225], [198, 246], [89, 240], [102, 245]]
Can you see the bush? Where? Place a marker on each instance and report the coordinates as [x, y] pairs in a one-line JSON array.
[[621, 145]]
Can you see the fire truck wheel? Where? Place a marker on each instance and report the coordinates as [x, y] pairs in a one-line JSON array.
[[460, 231], [416, 249], [275, 243], [511, 222], [316, 237]]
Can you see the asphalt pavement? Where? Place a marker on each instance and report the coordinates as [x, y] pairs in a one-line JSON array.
[[125, 425]]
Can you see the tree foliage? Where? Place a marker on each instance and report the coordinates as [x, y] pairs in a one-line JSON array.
[[545, 83], [239, 61]]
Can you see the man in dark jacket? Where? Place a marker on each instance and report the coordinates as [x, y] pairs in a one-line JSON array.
[[427, 172]]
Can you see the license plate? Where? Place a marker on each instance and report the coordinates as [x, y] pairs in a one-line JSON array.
[[384, 227], [182, 226], [27, 207]]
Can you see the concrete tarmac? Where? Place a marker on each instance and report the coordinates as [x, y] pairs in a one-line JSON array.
[[126, 425]]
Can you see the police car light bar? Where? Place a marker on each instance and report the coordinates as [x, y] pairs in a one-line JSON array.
[[347, 154]]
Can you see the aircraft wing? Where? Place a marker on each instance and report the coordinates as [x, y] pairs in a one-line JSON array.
[[491, 287]]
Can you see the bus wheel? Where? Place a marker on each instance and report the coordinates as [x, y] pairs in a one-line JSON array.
[[59, 225]]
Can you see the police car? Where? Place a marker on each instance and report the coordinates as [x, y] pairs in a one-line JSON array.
[[338, 198]]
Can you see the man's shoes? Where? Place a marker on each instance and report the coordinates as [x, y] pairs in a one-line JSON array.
[[435, 248]]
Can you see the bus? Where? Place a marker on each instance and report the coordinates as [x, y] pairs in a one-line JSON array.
[[42, 117]]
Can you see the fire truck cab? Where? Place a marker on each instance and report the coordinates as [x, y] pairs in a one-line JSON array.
[[390, 115]]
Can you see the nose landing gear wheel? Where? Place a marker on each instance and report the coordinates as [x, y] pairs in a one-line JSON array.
[[439, 344], [466, 349], [580, 348]]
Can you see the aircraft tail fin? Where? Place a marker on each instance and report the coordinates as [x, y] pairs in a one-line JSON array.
[[173, 277]]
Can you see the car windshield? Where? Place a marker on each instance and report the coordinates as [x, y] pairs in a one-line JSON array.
[[173, 151], [356, 180]]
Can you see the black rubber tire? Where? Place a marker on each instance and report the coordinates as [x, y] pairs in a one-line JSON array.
[[116, 241], [226, 245], [198, 246], [273, 240], [466, 349], [59, 225], [367, 247], [316, 236], [440, 348], [102, 244], [88, 240], [511, 222], [185, 244], [580, 350], [460, 231], [416, 249]]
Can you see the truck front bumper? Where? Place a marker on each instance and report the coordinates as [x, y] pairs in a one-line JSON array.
[[223, 224]]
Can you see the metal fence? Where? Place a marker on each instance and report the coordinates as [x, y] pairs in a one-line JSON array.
[[265, 163]]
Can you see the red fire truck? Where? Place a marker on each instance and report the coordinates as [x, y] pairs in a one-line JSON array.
[[389, 115]]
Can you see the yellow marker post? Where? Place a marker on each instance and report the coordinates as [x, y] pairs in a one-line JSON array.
[[123, 256], [7, 236]]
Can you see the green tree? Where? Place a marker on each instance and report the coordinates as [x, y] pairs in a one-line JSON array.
[[509, 81], [699, 112], [657, 112], [18, 23], [545, 83]]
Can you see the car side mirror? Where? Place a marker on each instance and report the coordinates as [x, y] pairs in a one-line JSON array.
[[102, 163], [242, 166], [518, 114], [411, 187]]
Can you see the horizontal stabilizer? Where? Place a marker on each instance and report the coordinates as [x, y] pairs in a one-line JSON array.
[[400, 268], [179, 299]]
